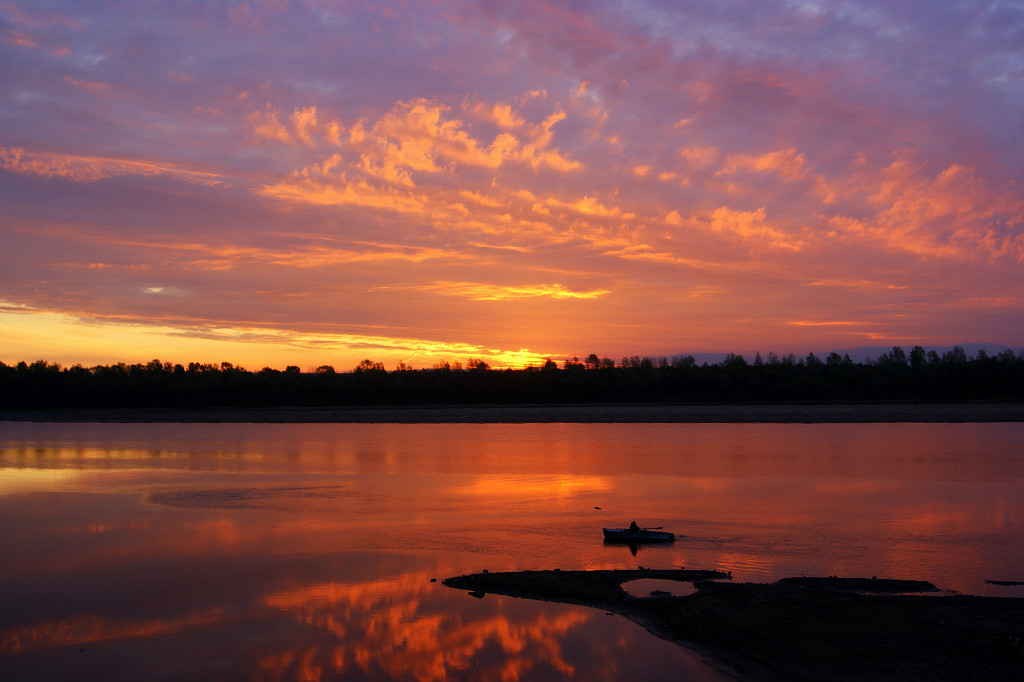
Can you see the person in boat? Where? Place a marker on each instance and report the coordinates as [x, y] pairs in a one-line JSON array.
[[633, 528]]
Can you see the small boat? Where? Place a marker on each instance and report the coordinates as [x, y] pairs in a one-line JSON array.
[[634, 536]]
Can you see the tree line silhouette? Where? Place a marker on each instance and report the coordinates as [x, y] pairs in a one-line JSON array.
[[896, 375]]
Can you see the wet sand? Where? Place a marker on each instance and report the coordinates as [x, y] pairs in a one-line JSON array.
[[800, 628], [593, 413]]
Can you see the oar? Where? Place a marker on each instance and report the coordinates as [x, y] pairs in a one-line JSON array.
[[654, 528]]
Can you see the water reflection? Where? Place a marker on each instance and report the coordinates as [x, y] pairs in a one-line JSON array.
[[307, 552], [711, 451], [89, 629], [401, 627], [268, 592]]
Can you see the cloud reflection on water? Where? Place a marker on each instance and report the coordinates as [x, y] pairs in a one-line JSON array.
[[398, 626], [268, 593]]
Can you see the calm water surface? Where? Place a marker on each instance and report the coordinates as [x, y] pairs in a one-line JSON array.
[[306, 552]]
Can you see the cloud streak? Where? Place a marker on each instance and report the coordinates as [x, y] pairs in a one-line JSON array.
[[491, 292], [92, 168]]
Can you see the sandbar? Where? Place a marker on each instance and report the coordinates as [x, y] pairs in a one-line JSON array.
[[827, 628]]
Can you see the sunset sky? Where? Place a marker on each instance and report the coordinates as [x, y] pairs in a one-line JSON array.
[[316, 182]]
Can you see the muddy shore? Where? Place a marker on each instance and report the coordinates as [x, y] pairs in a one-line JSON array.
[[800, 628], [593, 413]]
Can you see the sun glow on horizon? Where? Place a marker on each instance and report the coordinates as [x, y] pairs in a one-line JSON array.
[[98, 342]]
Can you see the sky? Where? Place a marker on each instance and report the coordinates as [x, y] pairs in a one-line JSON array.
[[309, 182]]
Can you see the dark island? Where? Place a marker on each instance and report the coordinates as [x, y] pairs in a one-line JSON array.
[[800, 628]]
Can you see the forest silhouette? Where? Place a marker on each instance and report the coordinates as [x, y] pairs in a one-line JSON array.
[[896, 375]]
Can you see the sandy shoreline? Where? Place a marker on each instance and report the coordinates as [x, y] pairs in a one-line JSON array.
[[594, 413], [799, 628]]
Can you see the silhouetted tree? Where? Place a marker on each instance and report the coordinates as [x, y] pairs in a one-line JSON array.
[[956, 356], [684, 362], [160, 384]]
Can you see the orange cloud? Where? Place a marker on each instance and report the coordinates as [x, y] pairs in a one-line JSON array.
[[787, 163], [414, 134], [500, 114], [220, 256], [361, 193], [304, 123], [399, 162], [645, 252], [265, 124], [824, 323], [493, 292], [699, 157], [859, 284], [303, 127], [536, 152], [589, 205], [481, 199], [951, 214], [751, 226]]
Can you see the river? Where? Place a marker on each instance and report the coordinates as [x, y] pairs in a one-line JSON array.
[[316, 551]]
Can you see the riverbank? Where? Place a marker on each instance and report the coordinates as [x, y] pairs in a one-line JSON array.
[[589, 413], [800, 628]]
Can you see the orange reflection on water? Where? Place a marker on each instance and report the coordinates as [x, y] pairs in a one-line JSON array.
[[858, 487], [931, 520], [90, 629], [16, 481], [535, 486]]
